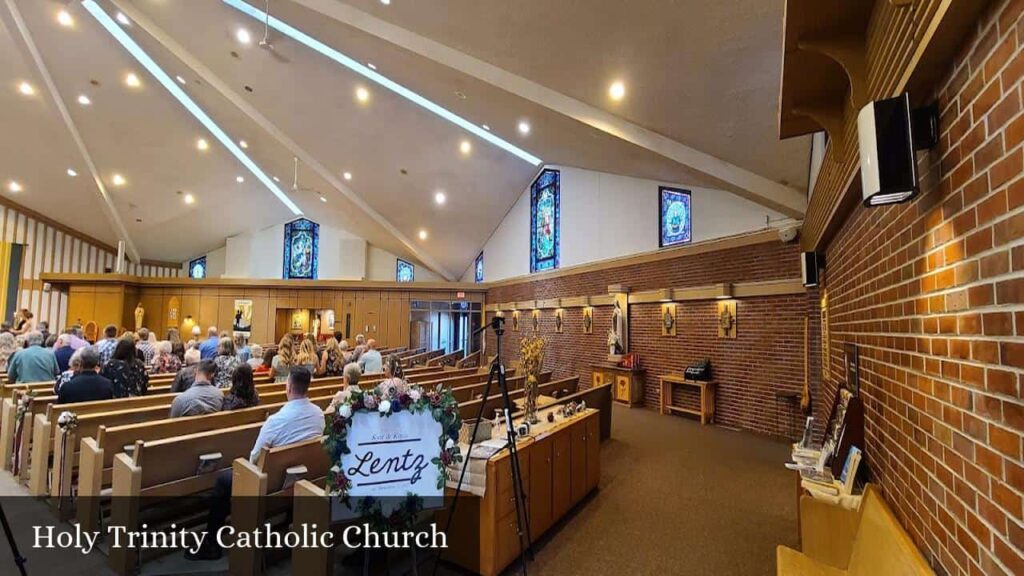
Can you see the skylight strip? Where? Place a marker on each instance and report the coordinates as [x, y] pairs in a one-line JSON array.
[[169, 83], [380, 79]]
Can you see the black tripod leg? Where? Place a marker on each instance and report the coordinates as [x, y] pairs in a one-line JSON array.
[[18, 558], [465, 460], [522, 518]]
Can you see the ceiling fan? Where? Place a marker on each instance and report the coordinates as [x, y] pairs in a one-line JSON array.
[[265, 42], [295, 182]]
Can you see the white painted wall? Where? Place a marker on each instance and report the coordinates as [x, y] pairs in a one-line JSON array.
[[607, 216], [382, 265], [216, 262]]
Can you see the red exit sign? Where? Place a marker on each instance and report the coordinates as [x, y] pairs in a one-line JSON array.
[[460, 295]]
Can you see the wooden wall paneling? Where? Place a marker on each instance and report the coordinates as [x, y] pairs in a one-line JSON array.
[[81, 304], [190, 301], [170, 298], [383, 332], [403, 322], [263, 318], [395, 319], [349, 311], [209, 305], [109, 306], [226, 308], [155, 317]]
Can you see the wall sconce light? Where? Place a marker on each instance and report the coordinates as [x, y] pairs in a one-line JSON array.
[[665, 294], [724, 291]]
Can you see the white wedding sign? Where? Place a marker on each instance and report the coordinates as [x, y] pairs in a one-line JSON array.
[[391, 457]]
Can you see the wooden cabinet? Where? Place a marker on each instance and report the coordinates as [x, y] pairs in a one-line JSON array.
[[561, 474], [558, 471], [629, 382], [541, 504]]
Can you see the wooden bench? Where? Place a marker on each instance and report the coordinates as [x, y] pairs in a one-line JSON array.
[[471, 360], [421, 359], [446, 359], [862, 542], [265, 482]]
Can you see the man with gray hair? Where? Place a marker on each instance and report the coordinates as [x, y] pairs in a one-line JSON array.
[[86, 385], [33, 363]]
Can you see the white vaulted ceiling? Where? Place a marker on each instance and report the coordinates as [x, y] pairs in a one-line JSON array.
[[702, 91]]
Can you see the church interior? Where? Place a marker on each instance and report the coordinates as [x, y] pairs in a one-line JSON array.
[[569, 287]]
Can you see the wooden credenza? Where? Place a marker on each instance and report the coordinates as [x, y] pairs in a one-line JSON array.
[[558, 470], [628, 388]]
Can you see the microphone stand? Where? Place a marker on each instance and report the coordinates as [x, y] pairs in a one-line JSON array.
[[497, 372]]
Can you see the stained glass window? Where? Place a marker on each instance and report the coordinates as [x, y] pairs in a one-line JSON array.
[[405, 271], [478, 268], [544, 221], [197, 268], [301, 249], [673, 216]]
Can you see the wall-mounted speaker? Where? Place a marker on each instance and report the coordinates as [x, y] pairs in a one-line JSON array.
[[888, 134], [810, 264]]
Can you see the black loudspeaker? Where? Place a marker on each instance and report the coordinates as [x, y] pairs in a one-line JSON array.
[[889, 132], [809, 264]]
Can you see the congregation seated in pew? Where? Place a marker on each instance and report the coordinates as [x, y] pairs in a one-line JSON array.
[[298, 420], [32, 363], [208, 347], [165, 362], [282, 362], [183, 380], [125, 370], [370, 361], [87, 384], [202, 397], [226, 362], [243, 392]]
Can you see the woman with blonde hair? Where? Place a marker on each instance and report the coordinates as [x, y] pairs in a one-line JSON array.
[[332, 361], [306, 356], [282, 362], [394, 383], [8, 346]]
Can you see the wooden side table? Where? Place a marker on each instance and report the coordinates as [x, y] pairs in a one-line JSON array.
[[629, 383], [707, 397]]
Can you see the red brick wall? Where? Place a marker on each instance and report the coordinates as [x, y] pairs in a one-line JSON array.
[[932, 293], [766, 356]]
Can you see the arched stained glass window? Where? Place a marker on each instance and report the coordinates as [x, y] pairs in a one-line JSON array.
[[301, 249], [544, 221]]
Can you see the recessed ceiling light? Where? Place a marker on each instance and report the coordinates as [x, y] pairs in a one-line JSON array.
[[423, 234], [72, 173], [524, 127], [617, 90], [118, 180], [347, 175], [276, 179], [440, 198], [132, 80], [84, 100], [26, 89], [362, 94], [243, 143], [239, 179], [65, 19], [323, 199], [123, 19], [465, 147], [202, 144], [371, 66], [179, 79], [485, 127], [14, 186], [385, 2], [190, 199], [243, 36]]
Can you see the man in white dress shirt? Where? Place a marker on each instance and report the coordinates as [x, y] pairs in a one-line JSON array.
[[298, 420]]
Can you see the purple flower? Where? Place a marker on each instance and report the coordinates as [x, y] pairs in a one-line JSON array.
[[370, 401]]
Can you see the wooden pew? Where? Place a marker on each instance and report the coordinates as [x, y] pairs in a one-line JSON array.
[[469, 361], [446, 359], [411, 352], [599, 397], [167, 468], [265, 480], [469, 410], [423, 358]]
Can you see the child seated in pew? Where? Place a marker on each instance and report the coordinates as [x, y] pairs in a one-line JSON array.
[[243, 393], [202, 397], [297, 421]]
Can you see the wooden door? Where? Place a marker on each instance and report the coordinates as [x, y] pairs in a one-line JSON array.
[[593, 438], [578, 475], [622, 392], [540, 487], [561, 473]]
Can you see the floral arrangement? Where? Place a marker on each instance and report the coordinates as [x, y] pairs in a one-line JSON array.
[[67, 420], [391, 397], [531, 360], [24, 405]]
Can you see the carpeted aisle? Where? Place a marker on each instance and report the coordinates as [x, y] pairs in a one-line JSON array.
[[678, 498]]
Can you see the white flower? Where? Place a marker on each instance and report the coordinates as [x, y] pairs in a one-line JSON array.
[[64, 417], [414, 394], [345, 411], [384, 407], [449, 444]]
